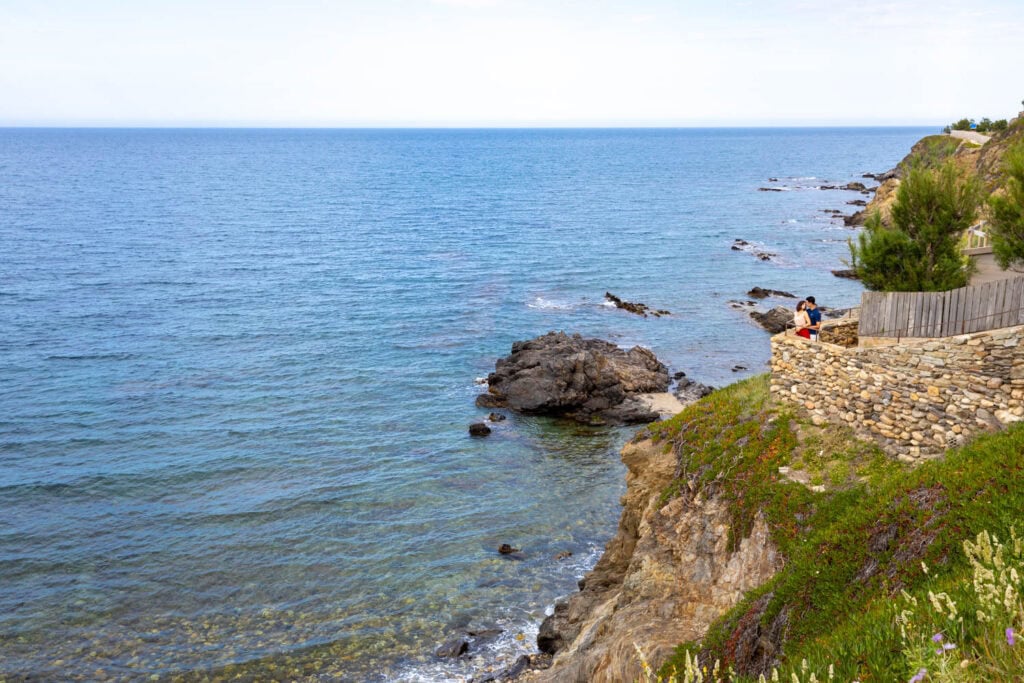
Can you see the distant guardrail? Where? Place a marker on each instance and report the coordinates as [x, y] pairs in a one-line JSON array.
[[943, 314]]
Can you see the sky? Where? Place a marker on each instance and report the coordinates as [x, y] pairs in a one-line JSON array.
[[508, 62]]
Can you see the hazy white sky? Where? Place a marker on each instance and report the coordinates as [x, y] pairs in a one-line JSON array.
[[508, 62]]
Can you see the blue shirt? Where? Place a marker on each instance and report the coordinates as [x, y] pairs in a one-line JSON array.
[[815, 315]]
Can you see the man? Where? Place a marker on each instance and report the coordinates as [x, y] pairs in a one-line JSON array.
[[814, 313]]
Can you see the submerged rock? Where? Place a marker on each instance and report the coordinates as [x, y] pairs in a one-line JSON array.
[[479, 429], [456, 647], [569, 376]]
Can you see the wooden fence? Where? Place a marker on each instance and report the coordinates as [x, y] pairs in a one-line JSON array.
[[943, 314]]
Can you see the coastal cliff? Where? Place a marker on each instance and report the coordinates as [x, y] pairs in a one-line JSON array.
[[664, 578], [983, 162], [681, 557], [757, 540]]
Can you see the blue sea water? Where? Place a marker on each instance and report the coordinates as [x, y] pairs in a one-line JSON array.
[[237, 367]]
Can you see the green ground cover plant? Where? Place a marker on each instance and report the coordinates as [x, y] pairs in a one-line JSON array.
[[874, 564]]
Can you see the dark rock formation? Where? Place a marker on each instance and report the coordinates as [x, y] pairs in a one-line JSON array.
[[857, 202], [855, 219], [853, 187], [770, 189], [776, 320], [495, 417], [479, 429], [551, 637], [688, 391], [847, 273], [456, 647], [584, 379], [522, 664], [506, 549], [639, 309], [761, 293]]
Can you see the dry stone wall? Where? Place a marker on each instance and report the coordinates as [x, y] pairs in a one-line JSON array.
[[915, 398]]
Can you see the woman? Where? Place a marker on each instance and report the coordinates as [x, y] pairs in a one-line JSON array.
[[802, 320]]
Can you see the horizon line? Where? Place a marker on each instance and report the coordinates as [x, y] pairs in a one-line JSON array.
[[444, 126]]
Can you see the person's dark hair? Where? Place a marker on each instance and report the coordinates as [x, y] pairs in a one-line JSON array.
[[810, 300], [800, 305]]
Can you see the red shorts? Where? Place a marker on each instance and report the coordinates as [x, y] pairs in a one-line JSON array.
[[805, 333]]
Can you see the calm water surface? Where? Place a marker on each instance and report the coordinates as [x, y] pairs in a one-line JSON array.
[[237, 366]]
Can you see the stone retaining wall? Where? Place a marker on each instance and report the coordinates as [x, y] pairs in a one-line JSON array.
[[915, 398]]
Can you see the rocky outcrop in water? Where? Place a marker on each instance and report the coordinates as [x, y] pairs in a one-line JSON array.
[[637, 308], [665, 576], [762, 293], [775, 320], [568, 376]]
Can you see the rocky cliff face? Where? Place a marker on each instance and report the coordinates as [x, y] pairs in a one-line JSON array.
[[663, 579], [983, 162]]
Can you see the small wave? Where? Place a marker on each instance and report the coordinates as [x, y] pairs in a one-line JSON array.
[[549, 304], [93, 356]]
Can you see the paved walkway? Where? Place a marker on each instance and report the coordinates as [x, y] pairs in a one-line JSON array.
[[970, 136], [989, 270]]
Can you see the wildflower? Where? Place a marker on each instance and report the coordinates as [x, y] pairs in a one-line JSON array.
[[919, 676], [1011, 638], [937, 638]]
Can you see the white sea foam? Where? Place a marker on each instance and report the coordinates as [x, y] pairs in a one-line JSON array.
[[544, 304]]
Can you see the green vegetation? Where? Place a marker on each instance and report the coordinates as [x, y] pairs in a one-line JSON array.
[[877, 583], [986, 125], [920, 250], [1007, 210]]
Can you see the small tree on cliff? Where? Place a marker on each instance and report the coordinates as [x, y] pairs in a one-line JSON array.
[[1007, 220], [920, 251]]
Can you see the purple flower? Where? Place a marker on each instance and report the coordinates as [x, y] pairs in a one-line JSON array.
[[937, 638], [919, 676], [1010, 638]]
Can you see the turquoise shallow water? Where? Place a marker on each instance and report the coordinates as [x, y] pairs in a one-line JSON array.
[[237, 366]]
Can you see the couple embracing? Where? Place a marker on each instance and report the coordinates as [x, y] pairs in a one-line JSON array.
[[807, 319]]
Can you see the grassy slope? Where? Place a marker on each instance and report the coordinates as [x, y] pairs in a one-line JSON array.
[[849, 550]]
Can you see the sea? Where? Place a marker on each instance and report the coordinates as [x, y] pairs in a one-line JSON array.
[[237, 368]]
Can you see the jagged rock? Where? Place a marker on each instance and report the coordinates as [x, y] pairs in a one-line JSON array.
[[770, 189], [857, 202], [847, 273], [855, 219], [638, 308], [506, 549], [496, 417], [760, 293], [522, 664], [584, 379], [456, 647], [688, 391], [550, 638], [776, 320], [479, 429], [565, 554], [739, 368]]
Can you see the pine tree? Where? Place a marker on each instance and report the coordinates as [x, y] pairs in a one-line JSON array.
[[920, 251], [1007, 221]]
